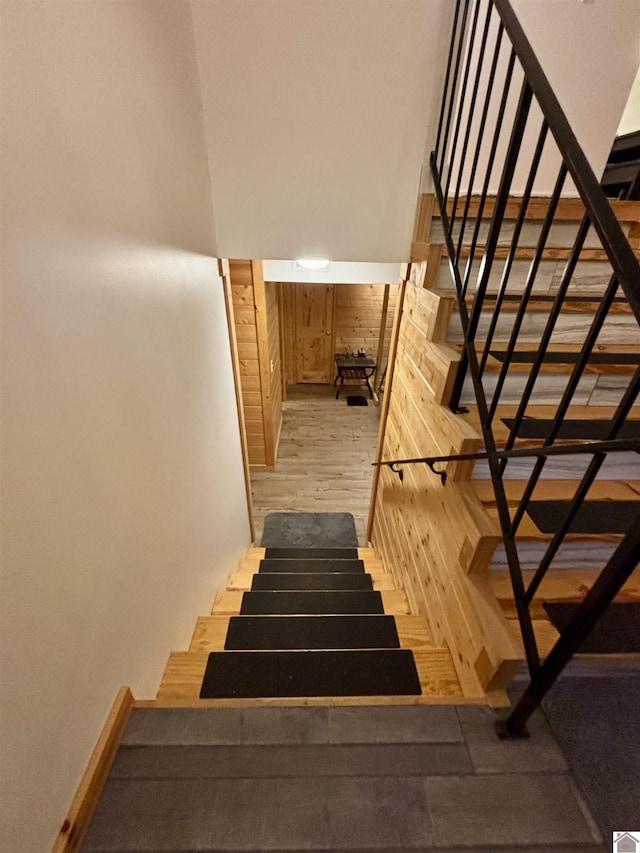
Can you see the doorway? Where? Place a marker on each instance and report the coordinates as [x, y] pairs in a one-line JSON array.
[[308, 317]]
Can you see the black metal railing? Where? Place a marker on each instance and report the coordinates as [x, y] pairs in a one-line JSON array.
[[500, 128]]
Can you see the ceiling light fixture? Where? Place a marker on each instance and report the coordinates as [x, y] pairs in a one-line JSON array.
[[313, 263]]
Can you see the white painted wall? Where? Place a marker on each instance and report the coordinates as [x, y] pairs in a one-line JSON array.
[[589, 52], [338, 272], [630, 120], [123, 498], [316, 115]]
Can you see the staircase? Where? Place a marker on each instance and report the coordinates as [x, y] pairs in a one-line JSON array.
[[612, 501], [310, 626]]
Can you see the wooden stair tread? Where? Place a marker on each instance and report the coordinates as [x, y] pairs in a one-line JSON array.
[[576, 302], [628, 355], [558, 585], [529, 532], [557, 489], [185, 670], [569, 585]]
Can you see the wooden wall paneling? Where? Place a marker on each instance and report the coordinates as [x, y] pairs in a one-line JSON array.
[[460, 606], [431, 311], [264, 361], [424, 214], [244, 322], [359, 309], [237, 382], [381, 336], [289, 323], [273, 336], [433, 260], [439, 538], [569, 209], [451, 433], [283, 344], [438, 363], [356, 325], [393, 347], [438, 599]]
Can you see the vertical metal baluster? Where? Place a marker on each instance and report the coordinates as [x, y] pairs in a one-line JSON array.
[[463, 94], [585, 353], [472, 109], [515, 141], [526, 294], [610, 581], [446, 79], [548, 331], [502, 289], [487, 177], [483, 122], [454, 83]]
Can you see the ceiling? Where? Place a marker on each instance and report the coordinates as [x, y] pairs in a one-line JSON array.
[[318, 114]]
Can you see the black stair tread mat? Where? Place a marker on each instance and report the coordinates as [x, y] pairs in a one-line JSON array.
[[616, 632], [356, 400], [593, 516], [306, 566], [314, 580], [529, 356], [312, 632], [265, 603], [250, 675], [309, 530], [593, 430], [311, 553]]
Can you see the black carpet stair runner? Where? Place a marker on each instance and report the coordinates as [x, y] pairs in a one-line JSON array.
[[265, 602], [593, 517], [311, 626], [319, 632], [616, 632], [571, 428]]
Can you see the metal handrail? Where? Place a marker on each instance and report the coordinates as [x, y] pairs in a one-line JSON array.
[[616, 446]]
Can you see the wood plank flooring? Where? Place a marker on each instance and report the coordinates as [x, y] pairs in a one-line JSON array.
[[324, 458]]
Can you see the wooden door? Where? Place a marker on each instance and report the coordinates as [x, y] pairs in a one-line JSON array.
[[314, 304]]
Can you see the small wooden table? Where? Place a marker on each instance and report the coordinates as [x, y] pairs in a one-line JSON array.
[[360, 367]]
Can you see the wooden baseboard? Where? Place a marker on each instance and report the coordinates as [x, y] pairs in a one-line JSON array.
[[84, 802]]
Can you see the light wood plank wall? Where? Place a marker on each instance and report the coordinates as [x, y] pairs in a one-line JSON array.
[[258, 336], [275, 367], [357, 315], [437, 539]]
